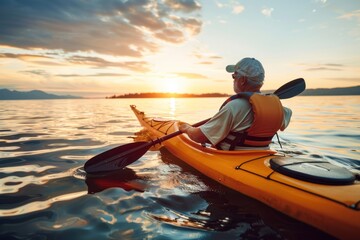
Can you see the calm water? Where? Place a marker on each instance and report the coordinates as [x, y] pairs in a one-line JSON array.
[[44, 193]]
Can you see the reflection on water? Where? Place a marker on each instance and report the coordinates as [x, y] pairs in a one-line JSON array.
[[125, 179], [13, 184], [172, 106], [39, 205], [45, 193]]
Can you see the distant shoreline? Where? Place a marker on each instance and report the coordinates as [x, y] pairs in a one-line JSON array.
[[348, 91], [6, 94], [168, 95]]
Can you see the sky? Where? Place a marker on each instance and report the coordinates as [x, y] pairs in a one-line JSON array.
[[98, 48]]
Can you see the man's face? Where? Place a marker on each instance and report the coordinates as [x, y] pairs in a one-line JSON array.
[[237, 82]]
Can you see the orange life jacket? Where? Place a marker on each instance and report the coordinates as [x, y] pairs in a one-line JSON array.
[[268, 118]]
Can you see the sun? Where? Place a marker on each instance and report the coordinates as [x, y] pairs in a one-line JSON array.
[[172, 86]]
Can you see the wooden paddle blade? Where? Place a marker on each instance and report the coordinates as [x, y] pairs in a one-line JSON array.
[[291, 89], [116, 158]]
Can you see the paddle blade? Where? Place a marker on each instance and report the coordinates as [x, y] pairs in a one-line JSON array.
[[291, 89], [116, 158]]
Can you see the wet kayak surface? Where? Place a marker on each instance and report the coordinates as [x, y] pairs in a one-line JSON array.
[[45, 192]]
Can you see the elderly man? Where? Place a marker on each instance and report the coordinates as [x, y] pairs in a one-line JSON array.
[[246, 120]]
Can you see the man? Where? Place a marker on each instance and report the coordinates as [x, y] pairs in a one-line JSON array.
[[247, 119]]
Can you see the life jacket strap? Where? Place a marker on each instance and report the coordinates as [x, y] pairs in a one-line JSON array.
[[240, 139], [277, 135]]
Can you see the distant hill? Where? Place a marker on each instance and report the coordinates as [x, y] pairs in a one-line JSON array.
[[332, 91], [6, 94]]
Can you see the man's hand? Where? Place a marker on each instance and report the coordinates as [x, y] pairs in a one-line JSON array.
[[184, 127], [194, 133]]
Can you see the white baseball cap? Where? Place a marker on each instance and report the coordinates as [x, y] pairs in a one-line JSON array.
[[250, 68]]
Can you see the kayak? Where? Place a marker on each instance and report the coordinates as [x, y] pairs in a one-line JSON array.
[[315, 192]]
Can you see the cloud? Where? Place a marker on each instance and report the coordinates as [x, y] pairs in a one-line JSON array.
[[33, 58], [237, 9], [219, 4], [322, 1], [334, 65], [138, 66], [25, 57], [94, 75], [38, 72], [351, 15], [113, 27], [206, 59], [199, 54], [171, 35], [267, 11], [183, 5], [216, 57], [324, 67], [191, 75], [206, 63]]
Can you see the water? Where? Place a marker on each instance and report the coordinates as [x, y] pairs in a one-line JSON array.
[[44, 192]]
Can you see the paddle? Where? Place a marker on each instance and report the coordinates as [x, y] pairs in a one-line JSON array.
[[121, 156]]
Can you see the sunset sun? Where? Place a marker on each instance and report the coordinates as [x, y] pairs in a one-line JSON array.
[[172, 86]]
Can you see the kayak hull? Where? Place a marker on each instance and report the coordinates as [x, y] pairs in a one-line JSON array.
[[332, 209]]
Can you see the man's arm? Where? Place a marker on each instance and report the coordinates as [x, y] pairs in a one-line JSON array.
[[194, 133]]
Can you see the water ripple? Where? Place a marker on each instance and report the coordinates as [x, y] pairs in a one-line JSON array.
[[45, 193], [39, 205]]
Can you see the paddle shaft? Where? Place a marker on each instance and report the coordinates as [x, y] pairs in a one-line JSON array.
[[121, 156], [174, 134]]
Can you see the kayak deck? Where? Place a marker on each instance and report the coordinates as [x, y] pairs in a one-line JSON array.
[[333, 209]]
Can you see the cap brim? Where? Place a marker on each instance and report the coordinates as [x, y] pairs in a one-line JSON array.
[[230, 68]]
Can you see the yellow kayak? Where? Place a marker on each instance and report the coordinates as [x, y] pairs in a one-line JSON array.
[[315, 192]]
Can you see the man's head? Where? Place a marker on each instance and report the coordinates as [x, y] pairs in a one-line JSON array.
[[250, 70]]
